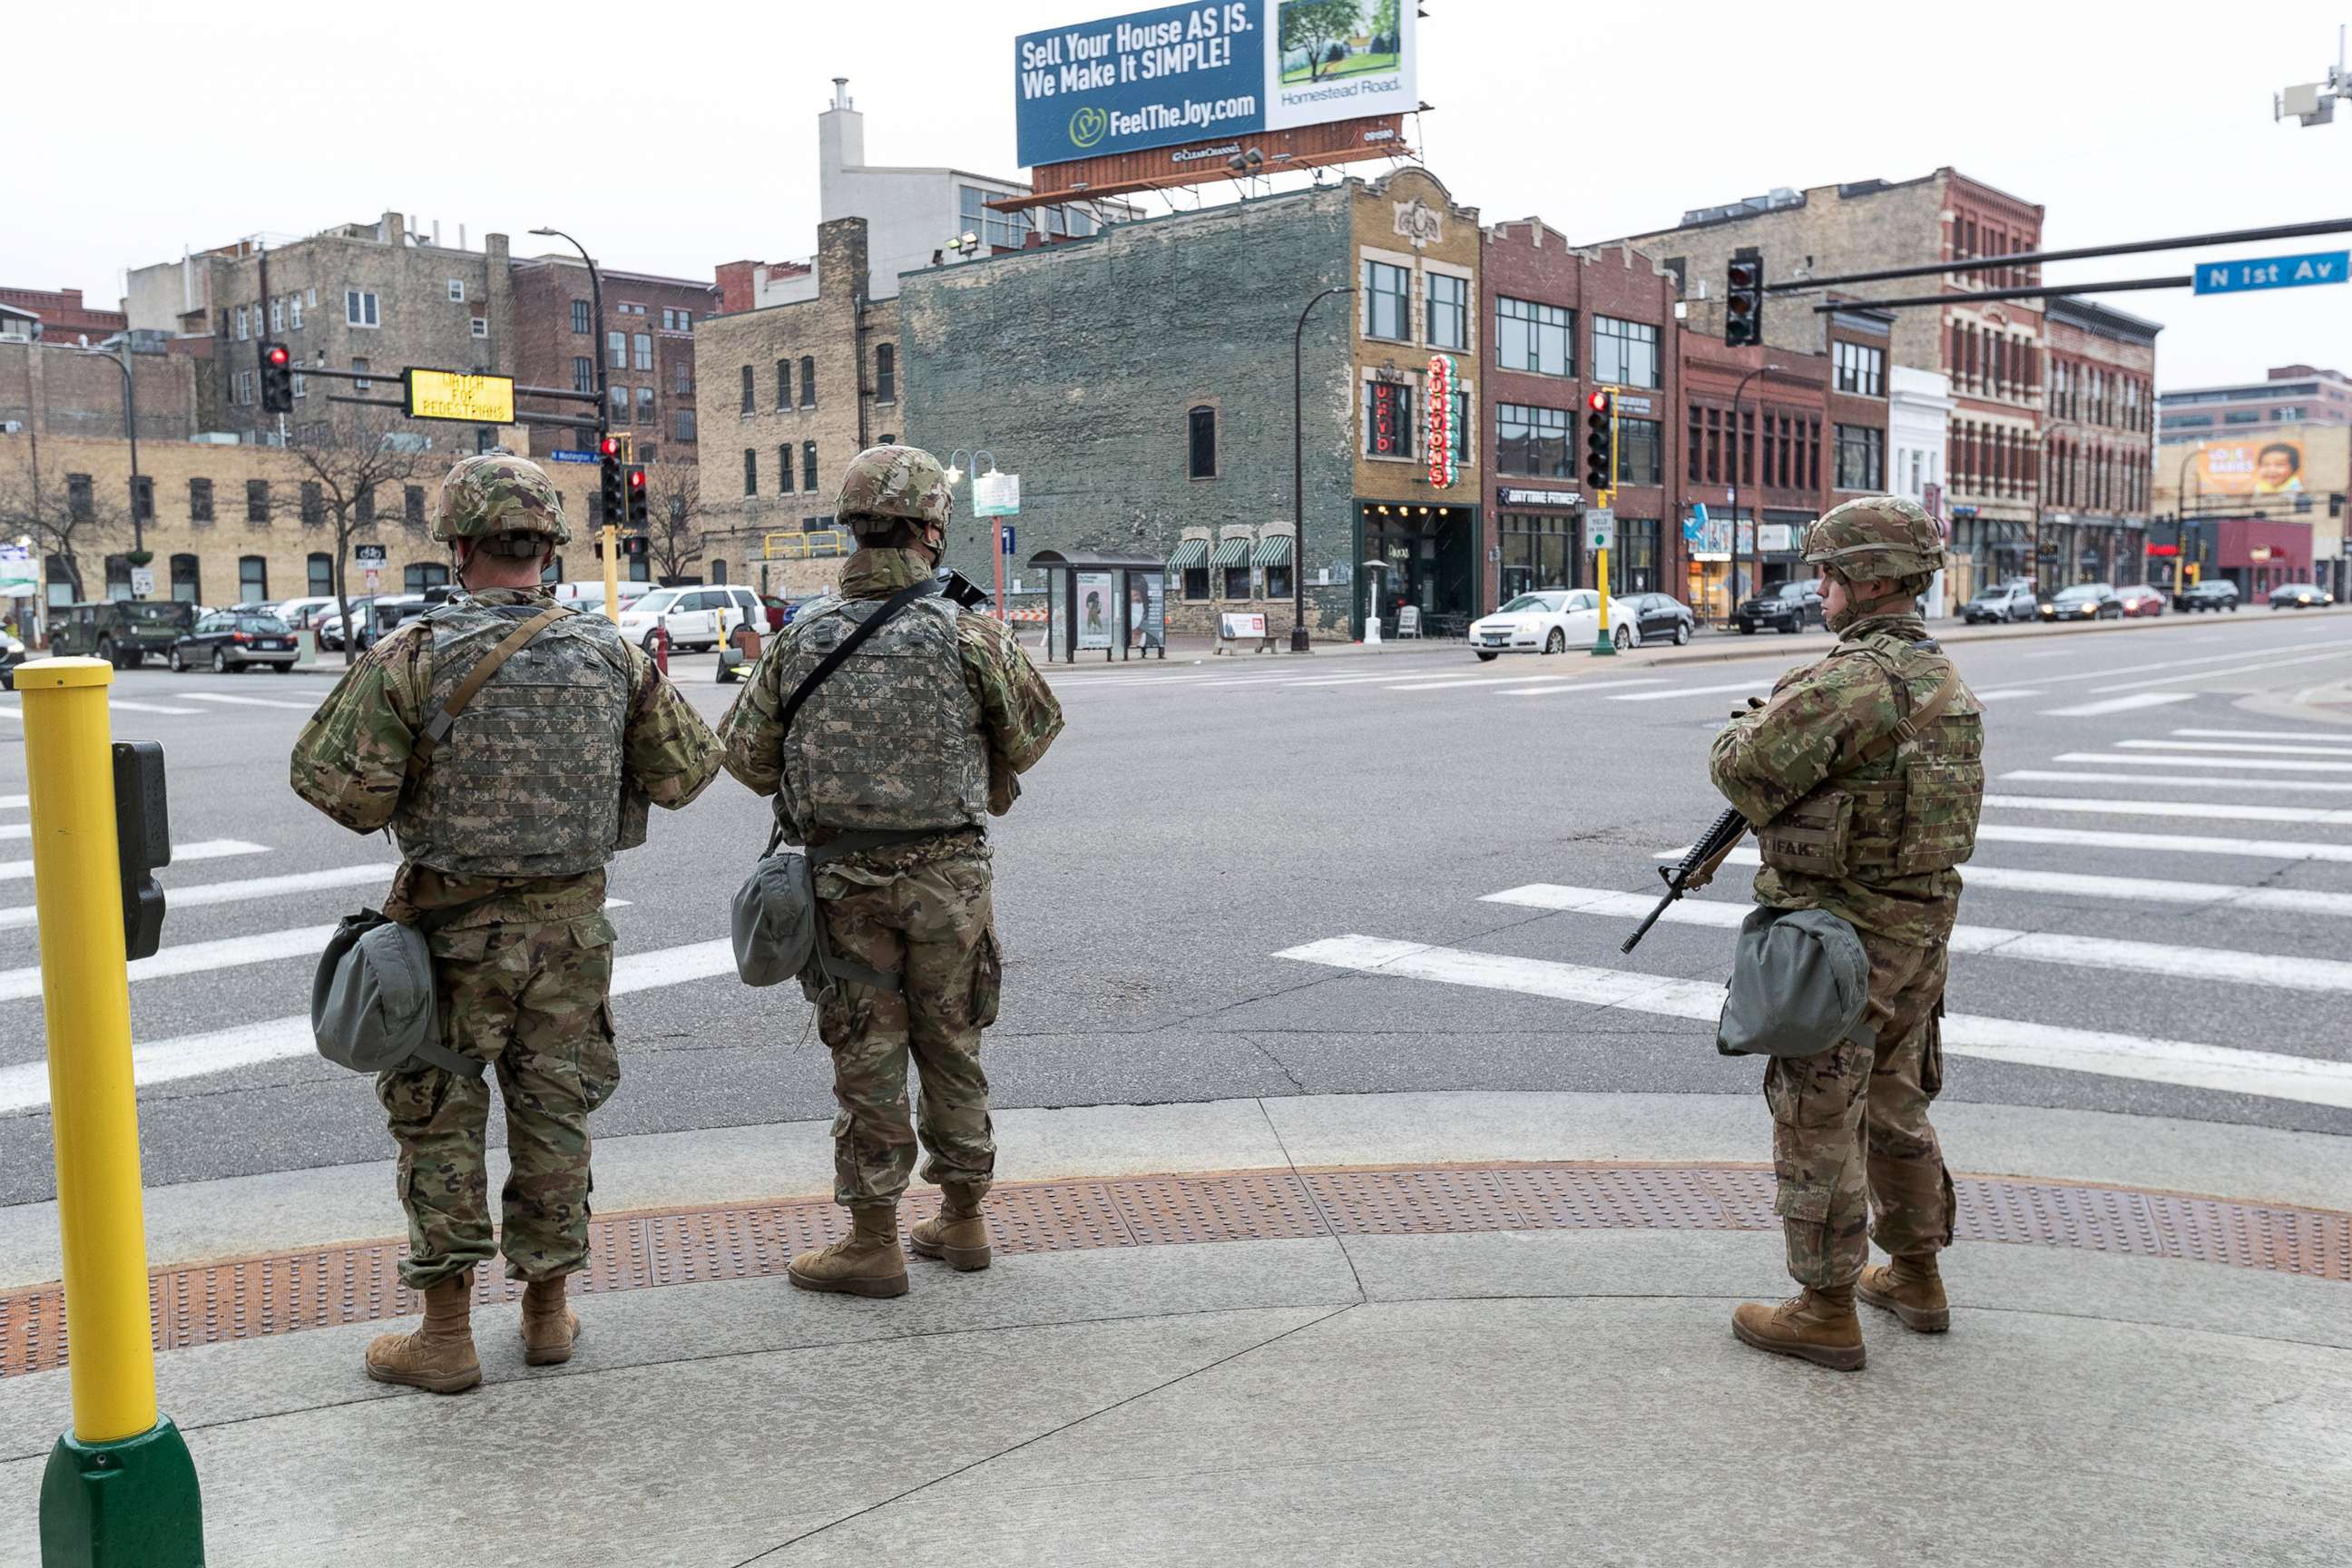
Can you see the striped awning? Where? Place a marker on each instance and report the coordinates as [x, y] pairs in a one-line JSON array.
[[1191, 552], [1273, 551], [1234, 552]]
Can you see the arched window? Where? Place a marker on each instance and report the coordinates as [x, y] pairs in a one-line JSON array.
[[718, 570], [321, 572], [252, 579], [60, 580], [187, 587], [118, 577], [1201, 431]]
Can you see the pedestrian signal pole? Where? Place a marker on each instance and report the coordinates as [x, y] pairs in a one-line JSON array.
[[120, 1489], [1601, 477]]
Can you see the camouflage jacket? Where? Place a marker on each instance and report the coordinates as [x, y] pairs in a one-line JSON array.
[[352, 757], [1819, 716], [1019, 716]]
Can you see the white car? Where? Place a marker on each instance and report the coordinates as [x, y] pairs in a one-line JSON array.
[[304, 613], [697, 618], [1554, 620], [590, 594]]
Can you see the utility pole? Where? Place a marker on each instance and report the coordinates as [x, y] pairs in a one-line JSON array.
[[611, 534]]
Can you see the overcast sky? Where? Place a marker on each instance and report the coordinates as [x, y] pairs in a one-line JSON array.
[[686, 135]]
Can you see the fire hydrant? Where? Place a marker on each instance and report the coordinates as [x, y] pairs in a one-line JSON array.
[[661, 647]]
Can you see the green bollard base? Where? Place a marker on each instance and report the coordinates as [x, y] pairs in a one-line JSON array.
[[132, 1503], [1602, 648]]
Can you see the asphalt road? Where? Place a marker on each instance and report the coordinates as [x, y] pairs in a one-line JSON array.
[[1199, 825]]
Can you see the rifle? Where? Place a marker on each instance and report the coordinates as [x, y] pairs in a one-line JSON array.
[[1695, 869]]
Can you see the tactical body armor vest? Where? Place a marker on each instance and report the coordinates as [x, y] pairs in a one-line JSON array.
[[528, 782], [1909, 807], [891, 739]]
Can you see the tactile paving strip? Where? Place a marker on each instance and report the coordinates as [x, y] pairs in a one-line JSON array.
[[283, 1292]]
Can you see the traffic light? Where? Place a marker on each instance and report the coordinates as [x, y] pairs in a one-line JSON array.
[[1743, 298], [1600, 443], [613, 497], [277, 379], [636, 487]]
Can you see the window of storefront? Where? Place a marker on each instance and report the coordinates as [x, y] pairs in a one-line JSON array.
[[1635, 562], [1537, 550], [1534, 337], [1389, 418], [1531, 440]]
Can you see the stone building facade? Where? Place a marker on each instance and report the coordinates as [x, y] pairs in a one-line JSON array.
[[646, 341], [1559, 322], [57, 389], [1991, 349], [370, 297], [788, 395], [1414, 257], [2099, 444], [1136, 382]]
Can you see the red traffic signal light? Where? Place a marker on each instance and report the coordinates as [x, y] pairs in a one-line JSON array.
[[636, 481], [1599, 402], [276, 356], [610, 446]]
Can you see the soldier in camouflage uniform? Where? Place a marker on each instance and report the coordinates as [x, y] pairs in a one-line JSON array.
[[889, 772], [1864, 777], [504, 833]]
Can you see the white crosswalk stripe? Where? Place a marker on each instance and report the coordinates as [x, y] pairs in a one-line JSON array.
[[2339, 737], [2123, 890], [2262, 764], [203, 849], [14, 801], [1571, 688], [26, 916], [2121, 704], [2265, 748], [2185, 781], [243, 702], [2202, 810], [2168, 843], [119, 704], [2182, 1063], [1696, 690], [2007, 693], [2218, 964]]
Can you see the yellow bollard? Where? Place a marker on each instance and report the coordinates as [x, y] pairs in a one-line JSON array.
[[612, 538], [120, 1488]]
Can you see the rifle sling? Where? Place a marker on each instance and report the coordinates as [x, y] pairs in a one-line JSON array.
[[1914, 725]]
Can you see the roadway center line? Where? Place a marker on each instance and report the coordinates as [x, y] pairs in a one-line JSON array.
[[2192, 781], [2181, 1063], [25, 1086], [2203, 810], [2266, 748], [24, 916], [1696, 690], [1567, 685], [1450, 682], [250, 702], [203, 849], [2259, 764], [2226, 966], [2125, 890], [2120, 704]]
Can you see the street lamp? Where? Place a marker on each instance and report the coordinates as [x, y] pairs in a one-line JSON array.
[[596, 303], [1755, 528], [1299, 639], [130, 430]]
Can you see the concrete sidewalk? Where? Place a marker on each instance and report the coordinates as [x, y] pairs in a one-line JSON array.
[[1391, 1376]]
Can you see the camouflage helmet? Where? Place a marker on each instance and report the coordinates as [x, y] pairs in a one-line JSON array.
[[886, 485], [496, 493], [1876, 537]]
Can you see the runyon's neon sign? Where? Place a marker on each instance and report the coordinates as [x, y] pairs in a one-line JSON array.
[[1439, 421]]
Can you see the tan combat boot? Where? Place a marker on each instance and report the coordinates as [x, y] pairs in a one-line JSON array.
[[958, 1235], [866, 1262], [439, 1355], [1912, 1289], [549, 1326], [1817, 1326]]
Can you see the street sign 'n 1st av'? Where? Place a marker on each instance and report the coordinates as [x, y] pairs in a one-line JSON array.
[[453, 395], [2272, 272]]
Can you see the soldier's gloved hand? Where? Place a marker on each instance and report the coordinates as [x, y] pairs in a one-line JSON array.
[[1753, 704]]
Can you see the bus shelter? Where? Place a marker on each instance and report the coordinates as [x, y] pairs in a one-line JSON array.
[[1103, 600]]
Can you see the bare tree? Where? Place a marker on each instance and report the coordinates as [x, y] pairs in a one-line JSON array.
[[63, 521], [673, 508], [350, 466]]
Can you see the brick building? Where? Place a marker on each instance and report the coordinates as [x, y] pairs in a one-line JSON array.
[[58, 316], [1134, 379], [791, 393], [61, 390], [1415, 255], [1562, 321], [2295, 478], [646, 341], [376, 296], [1991, 351], [2098, 445], [2288, 395]]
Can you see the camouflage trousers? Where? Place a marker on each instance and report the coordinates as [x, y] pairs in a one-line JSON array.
[[935, 925], [1852, 1145], [531, 1000]]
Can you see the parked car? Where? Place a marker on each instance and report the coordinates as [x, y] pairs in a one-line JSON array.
[[691, 615], [330, 624], [780, 611], [1553, 620], [2300, 596], [2217, 596], [12, 654], [1790, 607], [123, 632], [237, 640], [589, 594], [302, 614], [1663, 617], [2003, 602], [2083, 602], [2139, 599], [389, 611]]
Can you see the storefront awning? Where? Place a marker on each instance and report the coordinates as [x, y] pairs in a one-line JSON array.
[[1191, 552], [1273, 551], [1234, 552]]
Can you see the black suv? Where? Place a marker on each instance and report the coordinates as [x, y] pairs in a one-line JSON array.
[[123, 632], [1789, 608], [2217, 596]]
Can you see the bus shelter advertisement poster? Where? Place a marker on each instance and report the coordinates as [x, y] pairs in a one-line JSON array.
[[1184, 74]]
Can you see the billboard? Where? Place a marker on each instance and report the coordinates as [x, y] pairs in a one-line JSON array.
[[1181, 74], [2257, 466]]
